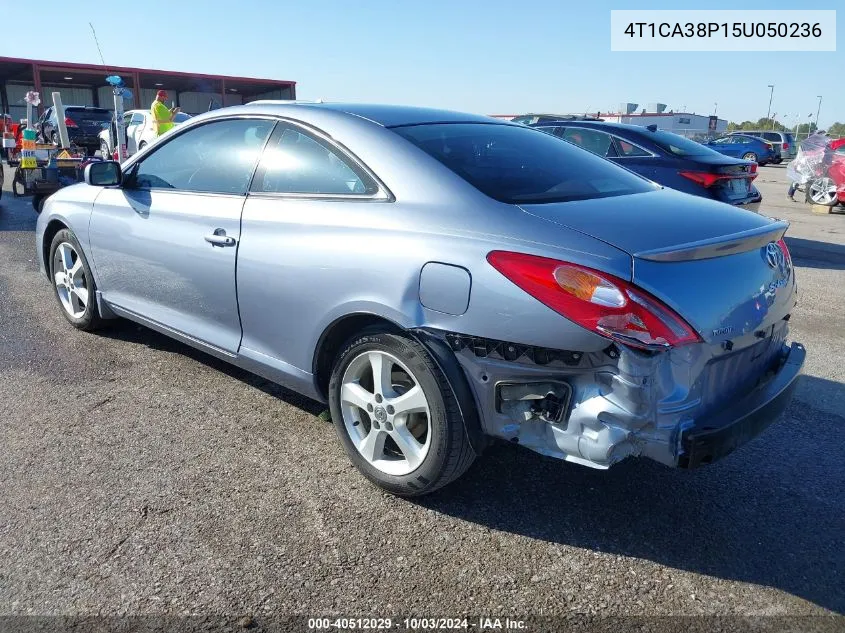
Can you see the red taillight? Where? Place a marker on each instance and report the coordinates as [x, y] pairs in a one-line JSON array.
[[708, 179], [69, 122], [704, 178], [785, 250], [595, 300], [786, 146]]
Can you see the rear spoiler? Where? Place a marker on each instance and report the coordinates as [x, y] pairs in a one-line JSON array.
[[718, 246]]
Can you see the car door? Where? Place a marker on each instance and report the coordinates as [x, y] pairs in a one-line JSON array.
[[728, 145], [306, 194], [164, 244], [133, 132]]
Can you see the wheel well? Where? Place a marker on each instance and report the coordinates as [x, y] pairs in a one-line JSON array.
[[49, 233], [335, 336]]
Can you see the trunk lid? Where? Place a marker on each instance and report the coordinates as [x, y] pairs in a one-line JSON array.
[[716, 265]]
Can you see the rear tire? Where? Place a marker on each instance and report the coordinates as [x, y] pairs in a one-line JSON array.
[[822, 191], [750, 156], [414, 447]]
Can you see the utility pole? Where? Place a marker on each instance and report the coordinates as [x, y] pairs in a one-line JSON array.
[[771, 94], [817, 111]]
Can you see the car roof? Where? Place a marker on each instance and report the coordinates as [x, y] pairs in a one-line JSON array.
[[630, 127], [385, 115]]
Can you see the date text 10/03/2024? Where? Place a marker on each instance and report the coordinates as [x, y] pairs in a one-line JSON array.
[[724, 29]]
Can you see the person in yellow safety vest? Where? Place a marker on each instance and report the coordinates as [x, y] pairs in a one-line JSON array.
[[162, 115]]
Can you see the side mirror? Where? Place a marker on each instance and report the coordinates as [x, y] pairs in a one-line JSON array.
[[105, 173]]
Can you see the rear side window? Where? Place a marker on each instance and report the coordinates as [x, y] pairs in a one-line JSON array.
[[593, 141], [517, 164], [772, 136], [295, 162], [625, 148]]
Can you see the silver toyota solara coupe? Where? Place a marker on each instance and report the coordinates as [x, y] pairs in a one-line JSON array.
[[440, 279]]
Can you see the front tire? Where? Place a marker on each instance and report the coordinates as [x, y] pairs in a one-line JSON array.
[[396, 414], [73, 283]]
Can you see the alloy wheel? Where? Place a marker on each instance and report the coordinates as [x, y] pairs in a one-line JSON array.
[[70, 280], [385, 412], [823, 191]]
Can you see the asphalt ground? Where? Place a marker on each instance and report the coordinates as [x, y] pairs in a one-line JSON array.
[[138, 476]]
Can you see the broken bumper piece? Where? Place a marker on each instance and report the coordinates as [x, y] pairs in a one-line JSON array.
[[719, 435]]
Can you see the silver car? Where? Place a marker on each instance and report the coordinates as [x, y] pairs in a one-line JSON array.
[[440, 279]]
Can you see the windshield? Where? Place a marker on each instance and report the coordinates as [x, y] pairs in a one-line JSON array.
[[517, 164], [678, 145], [181, 117]]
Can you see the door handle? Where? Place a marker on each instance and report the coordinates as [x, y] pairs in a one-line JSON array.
[[219, 238]]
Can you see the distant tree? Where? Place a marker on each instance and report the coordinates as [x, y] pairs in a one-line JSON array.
[[837, 129], [806, 128]]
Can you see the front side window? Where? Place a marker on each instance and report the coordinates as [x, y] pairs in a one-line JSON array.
[[591, 140], [137, 119], [517, 164], [298, 163], [218, 157]]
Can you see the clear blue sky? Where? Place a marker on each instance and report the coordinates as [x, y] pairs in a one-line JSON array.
[[487, 56]]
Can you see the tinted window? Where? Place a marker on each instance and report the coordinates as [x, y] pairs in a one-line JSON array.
[[181, 117], [518, 164], [624, 148], [298, 163], [137, 118], [772, 136], [591, 140], [217, 157]]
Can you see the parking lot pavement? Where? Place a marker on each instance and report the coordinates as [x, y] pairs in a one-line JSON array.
[[140, 476]]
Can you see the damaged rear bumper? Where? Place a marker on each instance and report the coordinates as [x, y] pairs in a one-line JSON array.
[[713, 438], [685, 408]]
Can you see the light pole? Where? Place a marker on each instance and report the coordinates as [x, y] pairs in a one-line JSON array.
[[817, 111], [771, 93], [715, 108]]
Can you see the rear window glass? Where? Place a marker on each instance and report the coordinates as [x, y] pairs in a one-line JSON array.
[[85, 114], [516, 164], [678, 145]]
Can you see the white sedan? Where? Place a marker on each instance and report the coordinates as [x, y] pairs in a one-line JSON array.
[[140, 131]]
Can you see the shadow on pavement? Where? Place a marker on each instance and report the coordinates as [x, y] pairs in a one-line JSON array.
[[130, 332], [816, 254], [769, 514]]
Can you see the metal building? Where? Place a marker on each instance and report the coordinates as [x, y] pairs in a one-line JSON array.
[[85, 84]]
